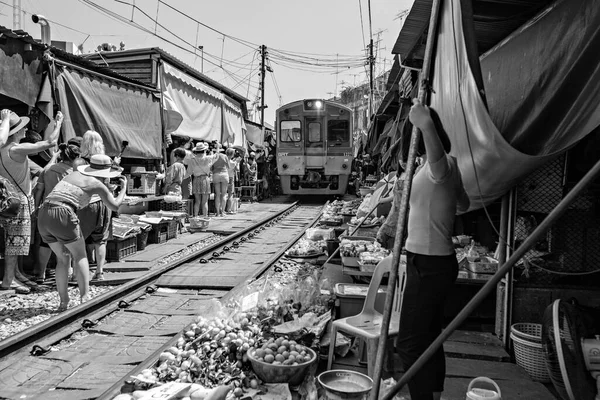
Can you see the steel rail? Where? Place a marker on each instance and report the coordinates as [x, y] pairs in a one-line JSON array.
[[107, 300], [115, 389]]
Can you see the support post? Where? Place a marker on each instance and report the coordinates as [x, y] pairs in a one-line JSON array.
[[263, 56], [508, 288], [424, 78], [371, 67], [531, 240]]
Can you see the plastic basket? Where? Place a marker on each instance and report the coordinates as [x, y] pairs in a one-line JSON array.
[[163, 231], [527, 331], [142, 239], [141, 184], [530, 356], [180, 206], [116, 250]]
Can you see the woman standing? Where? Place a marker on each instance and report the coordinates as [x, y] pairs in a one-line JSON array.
[[220, 178], [59, 224], [95, 218], [232, 169], [49, 178], [199, 167], [437, 194], [14, 166]]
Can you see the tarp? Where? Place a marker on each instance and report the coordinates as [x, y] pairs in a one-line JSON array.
[[254, 133], [490, 166], [199, 104], [543, 81], [20, 72], [233, 122], [117, 111]]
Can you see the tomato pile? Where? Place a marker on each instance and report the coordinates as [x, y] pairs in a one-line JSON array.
[[282, 351]]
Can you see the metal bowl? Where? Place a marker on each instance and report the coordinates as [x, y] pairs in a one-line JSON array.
[[340, 384], [292, 374]]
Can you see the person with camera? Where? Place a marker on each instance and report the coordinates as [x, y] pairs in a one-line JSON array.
[[59, 224]]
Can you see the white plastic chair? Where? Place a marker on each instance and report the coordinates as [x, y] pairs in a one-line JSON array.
[[367, 324]]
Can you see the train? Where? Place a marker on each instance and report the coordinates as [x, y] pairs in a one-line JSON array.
[[314, 147]]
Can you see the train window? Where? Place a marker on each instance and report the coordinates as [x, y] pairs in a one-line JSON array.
[[338, 132], [314, 132], [291, 131]]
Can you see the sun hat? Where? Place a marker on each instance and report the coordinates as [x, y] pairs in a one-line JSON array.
[[101, 166], [138, 169], [200, 147], [16, 123]]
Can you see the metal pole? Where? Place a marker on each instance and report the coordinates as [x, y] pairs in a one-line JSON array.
[[263, 55], [508, 288], [371, 65], [531, 240], [403, 213], [501, 255]]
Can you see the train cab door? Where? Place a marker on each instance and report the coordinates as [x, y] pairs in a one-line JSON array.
[[314, 143]]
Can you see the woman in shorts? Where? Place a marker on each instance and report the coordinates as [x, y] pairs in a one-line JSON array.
[[59, 225]]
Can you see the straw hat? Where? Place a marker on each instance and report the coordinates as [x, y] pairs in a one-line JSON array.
[[200, 147], [16, 123], [101, 166], [138, 169]]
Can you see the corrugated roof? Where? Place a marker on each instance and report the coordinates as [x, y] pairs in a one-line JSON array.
[[107, 55], [494, 20], [68, 57]]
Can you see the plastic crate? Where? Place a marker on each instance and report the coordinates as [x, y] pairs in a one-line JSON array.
[[141, 184], [181, 206], [163, 231], [116, 250]]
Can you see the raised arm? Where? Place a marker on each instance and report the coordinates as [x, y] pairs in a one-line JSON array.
[[421, 118], [49, 142], [4, 126], [111, 202]]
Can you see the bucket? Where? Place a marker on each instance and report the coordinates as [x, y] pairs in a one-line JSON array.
[[332, 246], [483, 394], [345, 385]]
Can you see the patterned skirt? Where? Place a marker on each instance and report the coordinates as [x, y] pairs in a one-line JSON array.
[[17, 230], [201, 185]]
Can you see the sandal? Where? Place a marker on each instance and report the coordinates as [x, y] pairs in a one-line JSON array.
[[62, 307], [18, 289], [98, 276]]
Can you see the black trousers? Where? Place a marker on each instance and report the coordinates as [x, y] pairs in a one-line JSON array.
[[428, 282]]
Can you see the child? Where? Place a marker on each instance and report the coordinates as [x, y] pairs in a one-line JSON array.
[[175, 174]]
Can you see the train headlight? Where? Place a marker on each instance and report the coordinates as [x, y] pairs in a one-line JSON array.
[[284, 166], [345, 166], [318, 104]]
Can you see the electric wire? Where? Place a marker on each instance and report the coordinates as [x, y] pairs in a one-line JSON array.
[[362, 26]]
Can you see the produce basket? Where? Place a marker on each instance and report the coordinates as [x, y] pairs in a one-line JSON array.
[[163, 231], [292, 374], [527, 331], [530, 356], [141, 184], [352, 261], [181, 206], [116, 250]]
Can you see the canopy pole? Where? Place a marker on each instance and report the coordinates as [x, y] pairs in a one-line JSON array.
[[424, 87], [531, 240]]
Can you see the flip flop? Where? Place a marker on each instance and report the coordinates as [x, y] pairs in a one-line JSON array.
[[17, 289]]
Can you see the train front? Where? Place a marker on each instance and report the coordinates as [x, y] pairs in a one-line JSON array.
[[314, 147]]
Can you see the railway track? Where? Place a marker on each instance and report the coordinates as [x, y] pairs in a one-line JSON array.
[[88, 351]]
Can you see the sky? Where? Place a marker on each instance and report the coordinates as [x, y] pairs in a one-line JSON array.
[[315, 49]]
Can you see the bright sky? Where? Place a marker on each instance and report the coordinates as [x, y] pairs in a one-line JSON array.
[[297, 37]]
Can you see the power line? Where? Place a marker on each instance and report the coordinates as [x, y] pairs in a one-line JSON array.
[[362, 27]]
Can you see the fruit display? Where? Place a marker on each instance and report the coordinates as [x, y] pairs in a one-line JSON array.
[[211, 353], [353, 248], [306, 248], [281, 351], [370, 221], [373, 258]]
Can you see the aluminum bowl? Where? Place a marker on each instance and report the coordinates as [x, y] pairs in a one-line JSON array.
[[340, 384], [292, 374]]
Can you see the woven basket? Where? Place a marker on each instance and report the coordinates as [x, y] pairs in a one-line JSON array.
[[530, 356], [527, 331]]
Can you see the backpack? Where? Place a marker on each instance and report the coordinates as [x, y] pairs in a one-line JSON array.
[[10, 199]]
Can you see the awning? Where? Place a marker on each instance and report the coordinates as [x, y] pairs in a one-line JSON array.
[[254, 134], [199, 104], [20, 71], [114, 109], [233, 122], [543, 82]]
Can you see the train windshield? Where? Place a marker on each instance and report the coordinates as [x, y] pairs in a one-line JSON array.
[[314, 132], [338, 132], [290, 131]]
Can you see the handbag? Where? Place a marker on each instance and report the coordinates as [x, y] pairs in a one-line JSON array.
[[10, 199]]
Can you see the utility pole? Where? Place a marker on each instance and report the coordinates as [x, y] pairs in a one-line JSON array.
[[371, 67], [263, 56]]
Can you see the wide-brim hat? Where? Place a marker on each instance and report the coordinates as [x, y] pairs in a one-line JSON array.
[[200, 147], [100, 166], [16, 123]]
